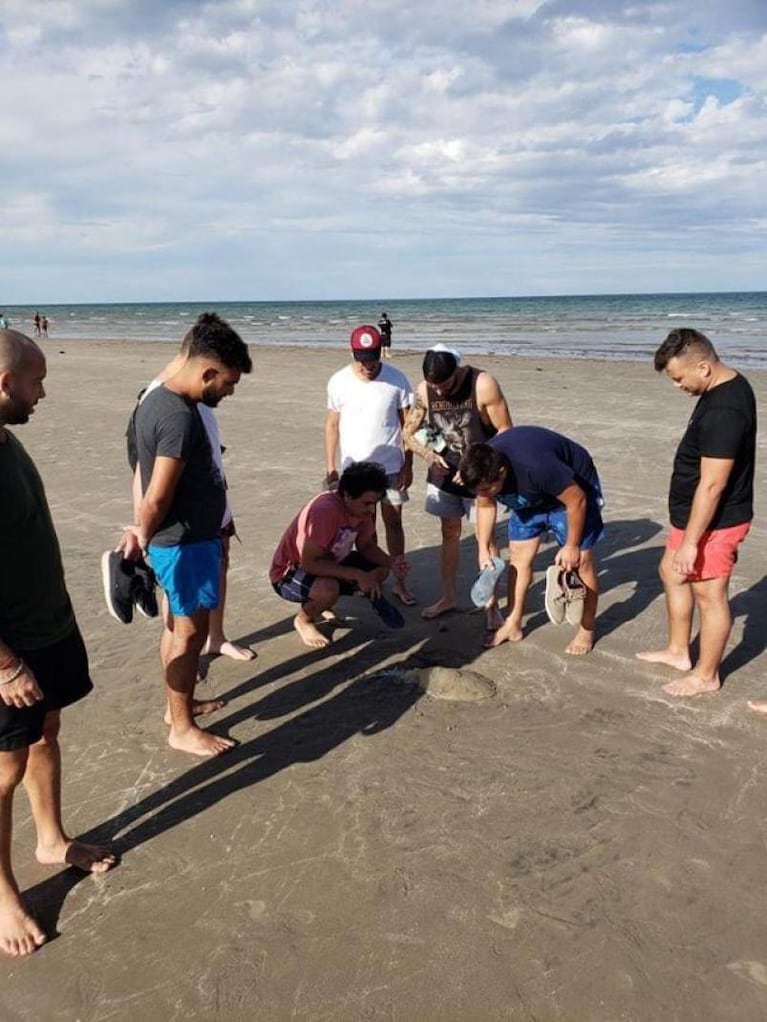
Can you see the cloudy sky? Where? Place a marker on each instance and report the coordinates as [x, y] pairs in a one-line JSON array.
[[248, 149]]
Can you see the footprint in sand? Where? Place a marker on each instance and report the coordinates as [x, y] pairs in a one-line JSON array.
[[451, 683]]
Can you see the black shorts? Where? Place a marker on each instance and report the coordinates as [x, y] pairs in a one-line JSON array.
[[62, 674]]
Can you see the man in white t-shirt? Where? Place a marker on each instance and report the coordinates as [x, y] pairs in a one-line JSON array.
[[367, 401]]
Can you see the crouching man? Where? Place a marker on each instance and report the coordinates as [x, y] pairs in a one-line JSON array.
[[329, 550]]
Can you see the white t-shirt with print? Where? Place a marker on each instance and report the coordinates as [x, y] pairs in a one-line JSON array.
[[369, 426]]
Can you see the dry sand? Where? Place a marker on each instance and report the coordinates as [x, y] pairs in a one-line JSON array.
[[578, 847]]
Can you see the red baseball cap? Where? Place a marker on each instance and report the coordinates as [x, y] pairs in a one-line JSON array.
[[366, 344]]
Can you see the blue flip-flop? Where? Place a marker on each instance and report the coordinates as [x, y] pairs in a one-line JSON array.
[[484, 587], [387, 612]]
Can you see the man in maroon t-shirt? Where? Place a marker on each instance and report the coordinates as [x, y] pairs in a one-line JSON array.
[[329, 550]]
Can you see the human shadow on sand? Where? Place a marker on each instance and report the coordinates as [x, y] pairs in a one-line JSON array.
[[751, 605], [321, 705]]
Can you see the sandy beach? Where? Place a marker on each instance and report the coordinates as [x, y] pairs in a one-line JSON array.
[[578, 847]]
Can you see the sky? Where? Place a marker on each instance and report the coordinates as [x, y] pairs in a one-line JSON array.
[[158, 150]]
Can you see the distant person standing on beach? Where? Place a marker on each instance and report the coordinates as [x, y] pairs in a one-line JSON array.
[[44, 324], [179, 519], [454, 407], [43, 662], [37, 324], [367, 401], [384, 326], [710, 505]]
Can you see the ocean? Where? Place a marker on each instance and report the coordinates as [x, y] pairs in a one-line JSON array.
[[621, 327]]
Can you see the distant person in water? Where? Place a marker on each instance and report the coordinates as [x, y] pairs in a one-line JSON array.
[[44, 326], [384, 327], [4, 323], [710, 505], [37, 322]]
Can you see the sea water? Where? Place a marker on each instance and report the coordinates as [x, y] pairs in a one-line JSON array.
[[579, 326]]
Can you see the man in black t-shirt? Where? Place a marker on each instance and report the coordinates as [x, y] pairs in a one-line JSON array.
[[179, 517], [710, 507]]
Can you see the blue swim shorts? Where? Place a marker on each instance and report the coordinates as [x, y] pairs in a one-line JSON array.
[[534, 524], [190, 575]]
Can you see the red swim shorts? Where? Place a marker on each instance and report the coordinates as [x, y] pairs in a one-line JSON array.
[[717, 550]]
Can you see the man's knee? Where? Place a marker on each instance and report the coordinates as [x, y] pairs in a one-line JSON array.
[[451, 528], [13, 765], [324, 590], [51, 727]]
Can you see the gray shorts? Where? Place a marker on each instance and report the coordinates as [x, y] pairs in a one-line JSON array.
[[394, 496], [448, 505]]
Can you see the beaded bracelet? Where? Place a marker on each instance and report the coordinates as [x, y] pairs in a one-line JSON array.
[[20, 668]]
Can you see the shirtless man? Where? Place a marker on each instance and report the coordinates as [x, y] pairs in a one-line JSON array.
[[710, 505], [458, 405], [367, 401], [329, 550], [179, 518], [43, 662]]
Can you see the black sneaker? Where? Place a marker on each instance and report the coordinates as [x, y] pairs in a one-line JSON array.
[[144, 595], [118, 577]]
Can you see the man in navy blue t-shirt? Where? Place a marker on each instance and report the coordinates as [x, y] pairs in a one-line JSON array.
[[550, 484]]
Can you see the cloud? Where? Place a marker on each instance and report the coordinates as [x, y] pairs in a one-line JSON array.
[[379, 146]]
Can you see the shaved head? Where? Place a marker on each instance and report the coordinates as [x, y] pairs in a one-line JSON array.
[[15, 350], [22, 371]]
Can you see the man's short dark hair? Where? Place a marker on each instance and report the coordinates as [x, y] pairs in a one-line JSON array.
[[481, 465], [362, 477], [212, 337], [684, 341], [439, 366]]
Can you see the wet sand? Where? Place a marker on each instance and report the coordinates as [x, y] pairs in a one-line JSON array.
[[578, 846]]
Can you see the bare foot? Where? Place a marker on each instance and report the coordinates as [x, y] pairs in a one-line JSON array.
[[19, 933], [443, 606], [88, 858], [310, 634], [757, 705], [494, 619], [680, 661], [200, 707], [199, 742], [692, 685], [230, 649], [582, 643], [403, 594], [508, 633]]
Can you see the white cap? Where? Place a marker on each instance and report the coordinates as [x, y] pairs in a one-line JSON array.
[[449, 351]]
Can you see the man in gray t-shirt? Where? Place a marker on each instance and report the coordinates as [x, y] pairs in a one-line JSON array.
[[169, 426], [179, 517]]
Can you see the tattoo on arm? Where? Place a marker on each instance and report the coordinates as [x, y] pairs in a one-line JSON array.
[[415, 416]]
